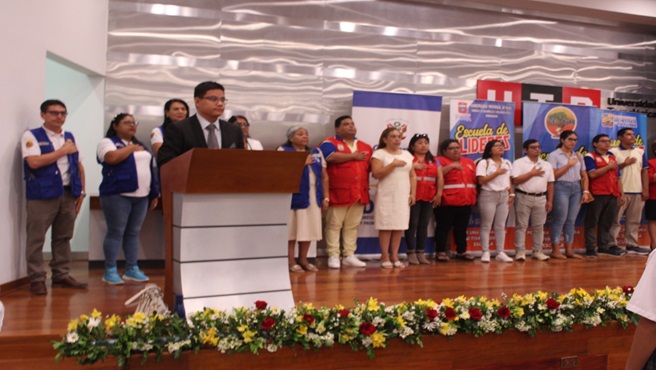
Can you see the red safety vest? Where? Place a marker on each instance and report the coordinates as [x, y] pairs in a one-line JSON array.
[[426, 181], [459, 185], [605, 184], [349, 181]]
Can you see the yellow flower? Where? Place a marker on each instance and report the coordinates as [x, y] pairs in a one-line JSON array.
[[308, 306], [241, 328], [209, 337], [96, 314], [517, 311], [248, 336], [425, 303], [445, 328], [321, 328], [302, 330], [378, 339], [136, 319], [84, 317], [112, 322], [372, 304], [447, 302], [542, 295], [299, 318], [400, 320], [72, 325], [339, 307]]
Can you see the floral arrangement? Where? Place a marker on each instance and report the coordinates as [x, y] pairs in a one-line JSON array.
[[366, 326]]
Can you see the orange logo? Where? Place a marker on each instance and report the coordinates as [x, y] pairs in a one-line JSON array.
[[152, 135], [29, 144], [559, 119]]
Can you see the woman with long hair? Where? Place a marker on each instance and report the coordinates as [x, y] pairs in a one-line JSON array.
[[458, 197], [395, 193], [496, 196], [174, 110], [429, 193], [570, 191], [249, 143], [127, 191], [305, 215]]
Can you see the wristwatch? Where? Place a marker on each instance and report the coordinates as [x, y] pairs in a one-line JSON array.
[[83, 193]]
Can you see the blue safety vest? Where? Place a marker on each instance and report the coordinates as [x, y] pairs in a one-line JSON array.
[[122, 177], [301, 199]]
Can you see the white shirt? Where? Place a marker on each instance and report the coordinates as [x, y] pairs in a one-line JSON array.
[[156, 136], [142, 159], [487, 166], [204, 123], [643, 301], [30, 147], [536, 184], [254, 144]]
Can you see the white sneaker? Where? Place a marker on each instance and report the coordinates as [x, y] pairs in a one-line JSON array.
[[333, 262], [520, 256], [503, 257], [485, 257], [540, 256], [353, 261]]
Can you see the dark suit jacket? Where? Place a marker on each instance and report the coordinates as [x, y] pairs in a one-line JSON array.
[[187, 134]]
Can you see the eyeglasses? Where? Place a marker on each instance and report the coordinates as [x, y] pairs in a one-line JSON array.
[[604, 141], [57, 113], [245, 124], [130, 123], [453, 148], [572, 138], [498, 145], [534, 147], [215, 99]]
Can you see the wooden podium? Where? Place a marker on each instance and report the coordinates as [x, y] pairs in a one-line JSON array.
[[225, 224]]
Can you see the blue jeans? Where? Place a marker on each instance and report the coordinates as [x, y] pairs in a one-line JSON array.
[[124, 217], [566, 206]]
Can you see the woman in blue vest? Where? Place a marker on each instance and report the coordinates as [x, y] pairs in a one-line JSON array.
[[174, 110], [305, 216], [127, 191]]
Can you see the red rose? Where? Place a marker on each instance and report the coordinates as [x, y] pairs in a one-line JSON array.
[[475, 314], [552, 304], [260, 305], [308, 318], [431, 313], [628, 289], [367, 328], [503, 312], [450, 314], [344, 313], [268, 323]]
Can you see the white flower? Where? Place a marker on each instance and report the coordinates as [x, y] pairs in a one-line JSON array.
[[272, 347], [72, 337], [93, 322], [366, 342], [464, 315], [522, 326], [377, 321]]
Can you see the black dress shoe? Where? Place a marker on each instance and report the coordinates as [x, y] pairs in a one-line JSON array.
[[38, 288], [68, 282]]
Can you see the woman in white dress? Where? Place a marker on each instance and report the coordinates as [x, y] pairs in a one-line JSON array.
[[395, 193]]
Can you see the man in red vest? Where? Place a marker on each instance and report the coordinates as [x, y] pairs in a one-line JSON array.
[[348, 173], [605, 187]]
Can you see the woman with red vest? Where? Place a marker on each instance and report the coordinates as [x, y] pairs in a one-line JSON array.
[[430, 183], [305, 216], [458, 197], [127, 191], [604, 184], [395, 193], [650, 204]]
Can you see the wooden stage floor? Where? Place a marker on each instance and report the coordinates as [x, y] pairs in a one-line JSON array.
[[33, 316]]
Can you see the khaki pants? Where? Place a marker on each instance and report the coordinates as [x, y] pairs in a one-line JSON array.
[[343, 221], [41, 215], [633, 209]]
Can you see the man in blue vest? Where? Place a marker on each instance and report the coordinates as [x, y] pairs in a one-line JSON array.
[[54, 187]]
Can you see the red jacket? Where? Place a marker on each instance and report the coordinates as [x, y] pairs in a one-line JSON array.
[[605, 184], [349, 181], [652, 183], [459, 185], [426, 181]]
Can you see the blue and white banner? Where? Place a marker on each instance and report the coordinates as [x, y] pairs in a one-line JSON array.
[[372, 113]]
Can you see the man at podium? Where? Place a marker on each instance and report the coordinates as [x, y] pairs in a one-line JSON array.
[[204, 129]]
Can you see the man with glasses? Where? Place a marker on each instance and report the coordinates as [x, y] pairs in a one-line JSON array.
[[606, 188], [54, 188], [534, 186], [204, 129], [633, 164]]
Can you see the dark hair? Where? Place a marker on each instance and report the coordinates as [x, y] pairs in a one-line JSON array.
[[111, 131], [445, 144], [623, 131], [234, 119], [339, 120], [598, 137], [167, 106], [413, 141], [487, 152], [564, 135], [202, 88], [528, 143], [46, 104], [384, 134]]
